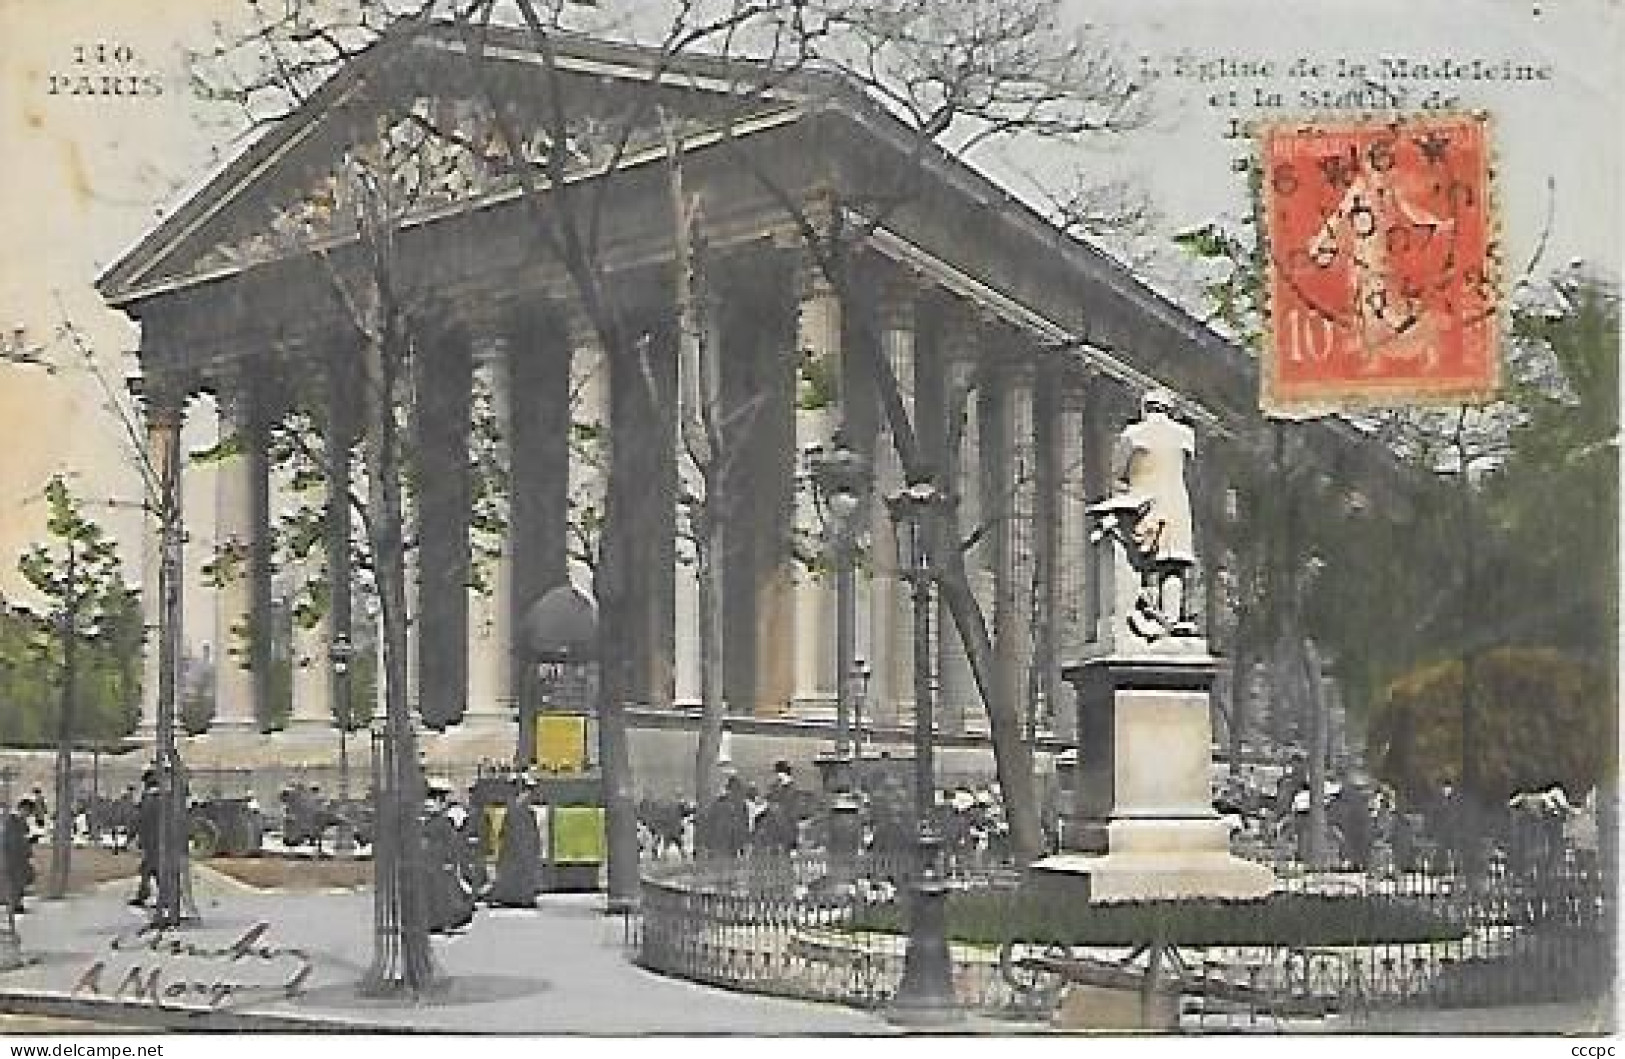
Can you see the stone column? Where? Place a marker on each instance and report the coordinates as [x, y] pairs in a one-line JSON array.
[[238, 480], [961, 349], [492, 705], [1102, 417], [443, 376], [589, 456], [1045, 548], [699, 393], [891, 690], [818, 348], [342, 415], [1072, 545], [165, 415], [538, 496], [312, 690], [1009, 478]]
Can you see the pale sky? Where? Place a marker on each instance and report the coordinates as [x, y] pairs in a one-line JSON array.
[[85, 177]]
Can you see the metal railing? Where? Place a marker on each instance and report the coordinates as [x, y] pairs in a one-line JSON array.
[[804, 926], [795, 925]]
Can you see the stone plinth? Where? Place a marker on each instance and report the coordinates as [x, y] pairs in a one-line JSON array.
[[1143, 822]]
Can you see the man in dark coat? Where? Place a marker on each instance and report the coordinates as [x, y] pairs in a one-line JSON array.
[[149, 819], [19, 857], [1350, 813], [725, 826], [776, 829], [450, 893], [519, 853]]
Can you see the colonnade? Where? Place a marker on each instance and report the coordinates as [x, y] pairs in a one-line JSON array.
[[1022, 436]]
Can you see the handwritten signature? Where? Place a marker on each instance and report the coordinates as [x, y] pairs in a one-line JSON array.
[[162, 968]]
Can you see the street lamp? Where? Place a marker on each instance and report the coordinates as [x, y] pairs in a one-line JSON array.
[[860, 700], [925, 997], [339, 653], [840, 477]]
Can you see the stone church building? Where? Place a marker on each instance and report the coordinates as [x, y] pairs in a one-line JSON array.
[[1019, 350]]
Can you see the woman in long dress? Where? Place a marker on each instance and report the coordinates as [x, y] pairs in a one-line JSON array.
[[519, 854]]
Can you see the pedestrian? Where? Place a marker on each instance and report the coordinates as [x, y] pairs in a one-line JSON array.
[[42, 809], [450, 894], [780, 815], [724, 829], [519, 852], [149, 821], [1350, 813], [18, 851]]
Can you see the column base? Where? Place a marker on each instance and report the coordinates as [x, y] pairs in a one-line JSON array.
[[471, 741], [230, 731], [814, 708], [309, 727], [1152, 876]]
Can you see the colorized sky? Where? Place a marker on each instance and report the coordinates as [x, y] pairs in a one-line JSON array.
[[85, 175]]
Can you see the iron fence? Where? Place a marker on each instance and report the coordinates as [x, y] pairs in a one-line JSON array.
[[804, 926]]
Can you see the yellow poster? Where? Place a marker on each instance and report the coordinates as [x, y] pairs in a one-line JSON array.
[[494, 816], [561, 742]]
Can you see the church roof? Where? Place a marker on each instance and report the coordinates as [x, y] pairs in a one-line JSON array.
[[241, 214]]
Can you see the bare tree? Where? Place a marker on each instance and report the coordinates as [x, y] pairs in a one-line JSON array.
[[952, 78]]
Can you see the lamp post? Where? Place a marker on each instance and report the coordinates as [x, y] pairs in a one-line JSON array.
[[925, 997], [860, 701], [339, 653], [840, 477]]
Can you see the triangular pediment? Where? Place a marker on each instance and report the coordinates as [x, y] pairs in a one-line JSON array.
[[411, 121]]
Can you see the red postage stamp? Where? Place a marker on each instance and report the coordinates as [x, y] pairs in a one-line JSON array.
[[1382, 266]]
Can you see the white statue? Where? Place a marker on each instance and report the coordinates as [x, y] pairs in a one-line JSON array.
[[1149, 513]]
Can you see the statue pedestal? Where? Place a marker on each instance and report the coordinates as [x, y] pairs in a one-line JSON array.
[[1143, 822]]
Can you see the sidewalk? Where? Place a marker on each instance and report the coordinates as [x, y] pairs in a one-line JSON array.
[[562, 969]]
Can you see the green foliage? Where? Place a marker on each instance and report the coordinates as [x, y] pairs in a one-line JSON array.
[[817, 385], [1279, 919], [78, 575], [227, 447], [1539, 718], [1555, 499]]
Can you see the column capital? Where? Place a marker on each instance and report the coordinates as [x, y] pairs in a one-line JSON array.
[[811, 280], [162, 398], [236, 386], [961, 340], [1016, 369], [899, 300], [1073, 393], [580, 327]]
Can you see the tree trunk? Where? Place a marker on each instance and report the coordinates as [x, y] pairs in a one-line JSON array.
[[624, 499], [712, 705], [1012, 755], [62, 819], [402, 957]]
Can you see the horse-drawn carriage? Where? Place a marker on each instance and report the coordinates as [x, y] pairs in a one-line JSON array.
[[310, 820], [226, 827]]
